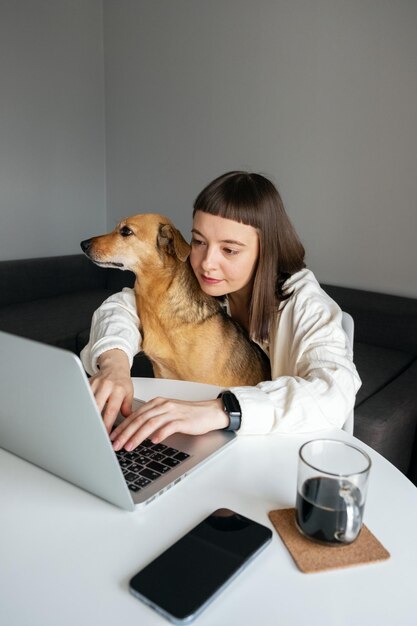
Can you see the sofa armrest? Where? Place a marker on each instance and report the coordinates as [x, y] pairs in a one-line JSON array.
[[380, 319], [387, 420]]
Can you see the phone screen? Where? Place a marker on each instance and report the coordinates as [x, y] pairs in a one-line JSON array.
[[185, 578]]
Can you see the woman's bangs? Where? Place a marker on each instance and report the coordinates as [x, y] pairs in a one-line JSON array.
[[241, 211]]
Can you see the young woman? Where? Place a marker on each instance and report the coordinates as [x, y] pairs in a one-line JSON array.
[[245, 250]]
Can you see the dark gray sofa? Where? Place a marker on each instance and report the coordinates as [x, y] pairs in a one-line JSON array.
[[52, 300], [385, 354]]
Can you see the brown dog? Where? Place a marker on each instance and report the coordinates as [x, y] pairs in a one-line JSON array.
[[186, 334]]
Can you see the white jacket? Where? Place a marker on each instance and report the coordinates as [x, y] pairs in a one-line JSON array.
[[314, 381]]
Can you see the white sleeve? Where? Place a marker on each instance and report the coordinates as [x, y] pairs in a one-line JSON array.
[[315, 388], [115, 324]]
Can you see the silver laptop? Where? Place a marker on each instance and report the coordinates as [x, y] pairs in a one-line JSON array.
[[48, 416]]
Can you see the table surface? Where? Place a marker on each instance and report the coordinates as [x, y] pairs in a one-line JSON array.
[[66, 557]]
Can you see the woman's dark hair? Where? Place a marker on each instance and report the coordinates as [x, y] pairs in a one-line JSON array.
[[253, 200]]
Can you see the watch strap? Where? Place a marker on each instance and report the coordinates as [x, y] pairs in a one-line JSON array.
[[232, 408]]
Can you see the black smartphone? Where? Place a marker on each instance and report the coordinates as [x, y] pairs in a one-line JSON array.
[[185, 578]]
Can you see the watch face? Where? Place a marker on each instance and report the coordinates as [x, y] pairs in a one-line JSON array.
[[232, 408], [234, 423]]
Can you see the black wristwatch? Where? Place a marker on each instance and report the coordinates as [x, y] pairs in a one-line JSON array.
[[231, 406]]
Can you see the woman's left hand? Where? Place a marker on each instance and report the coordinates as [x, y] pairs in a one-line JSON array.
[[161, 417]]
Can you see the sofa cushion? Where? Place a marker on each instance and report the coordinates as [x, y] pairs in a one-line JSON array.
[[377, 367], [117, 279], [55, 321]]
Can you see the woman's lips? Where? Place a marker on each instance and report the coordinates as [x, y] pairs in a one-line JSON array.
[[210, 281]]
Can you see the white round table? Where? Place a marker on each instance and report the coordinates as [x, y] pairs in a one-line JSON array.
[[66, 556]]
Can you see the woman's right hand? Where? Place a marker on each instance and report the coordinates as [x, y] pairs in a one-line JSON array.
[[112, 386]]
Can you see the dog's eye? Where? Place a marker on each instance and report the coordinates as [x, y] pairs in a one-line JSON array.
[[125, 231]]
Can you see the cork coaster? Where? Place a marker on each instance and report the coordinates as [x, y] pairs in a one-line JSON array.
[[314, 557]]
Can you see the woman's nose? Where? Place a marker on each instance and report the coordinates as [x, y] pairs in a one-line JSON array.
[[209, 259]]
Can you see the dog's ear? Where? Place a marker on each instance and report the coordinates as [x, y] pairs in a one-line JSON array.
[[171, 241]]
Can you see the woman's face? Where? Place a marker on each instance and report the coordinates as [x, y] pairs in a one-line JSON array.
[[224, 254]]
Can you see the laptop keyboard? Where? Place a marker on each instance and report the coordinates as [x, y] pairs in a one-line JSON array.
[[148, 462]]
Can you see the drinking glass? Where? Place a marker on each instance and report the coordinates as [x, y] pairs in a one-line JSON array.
[[332, 484]]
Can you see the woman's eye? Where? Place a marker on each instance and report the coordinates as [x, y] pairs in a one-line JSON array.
[[230, 251], [125, 231], [196, 242]]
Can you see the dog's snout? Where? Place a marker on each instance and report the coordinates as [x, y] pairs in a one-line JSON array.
[[85, 245]]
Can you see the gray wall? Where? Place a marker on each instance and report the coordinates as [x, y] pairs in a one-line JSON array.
[[320, 95], [52, 157]]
